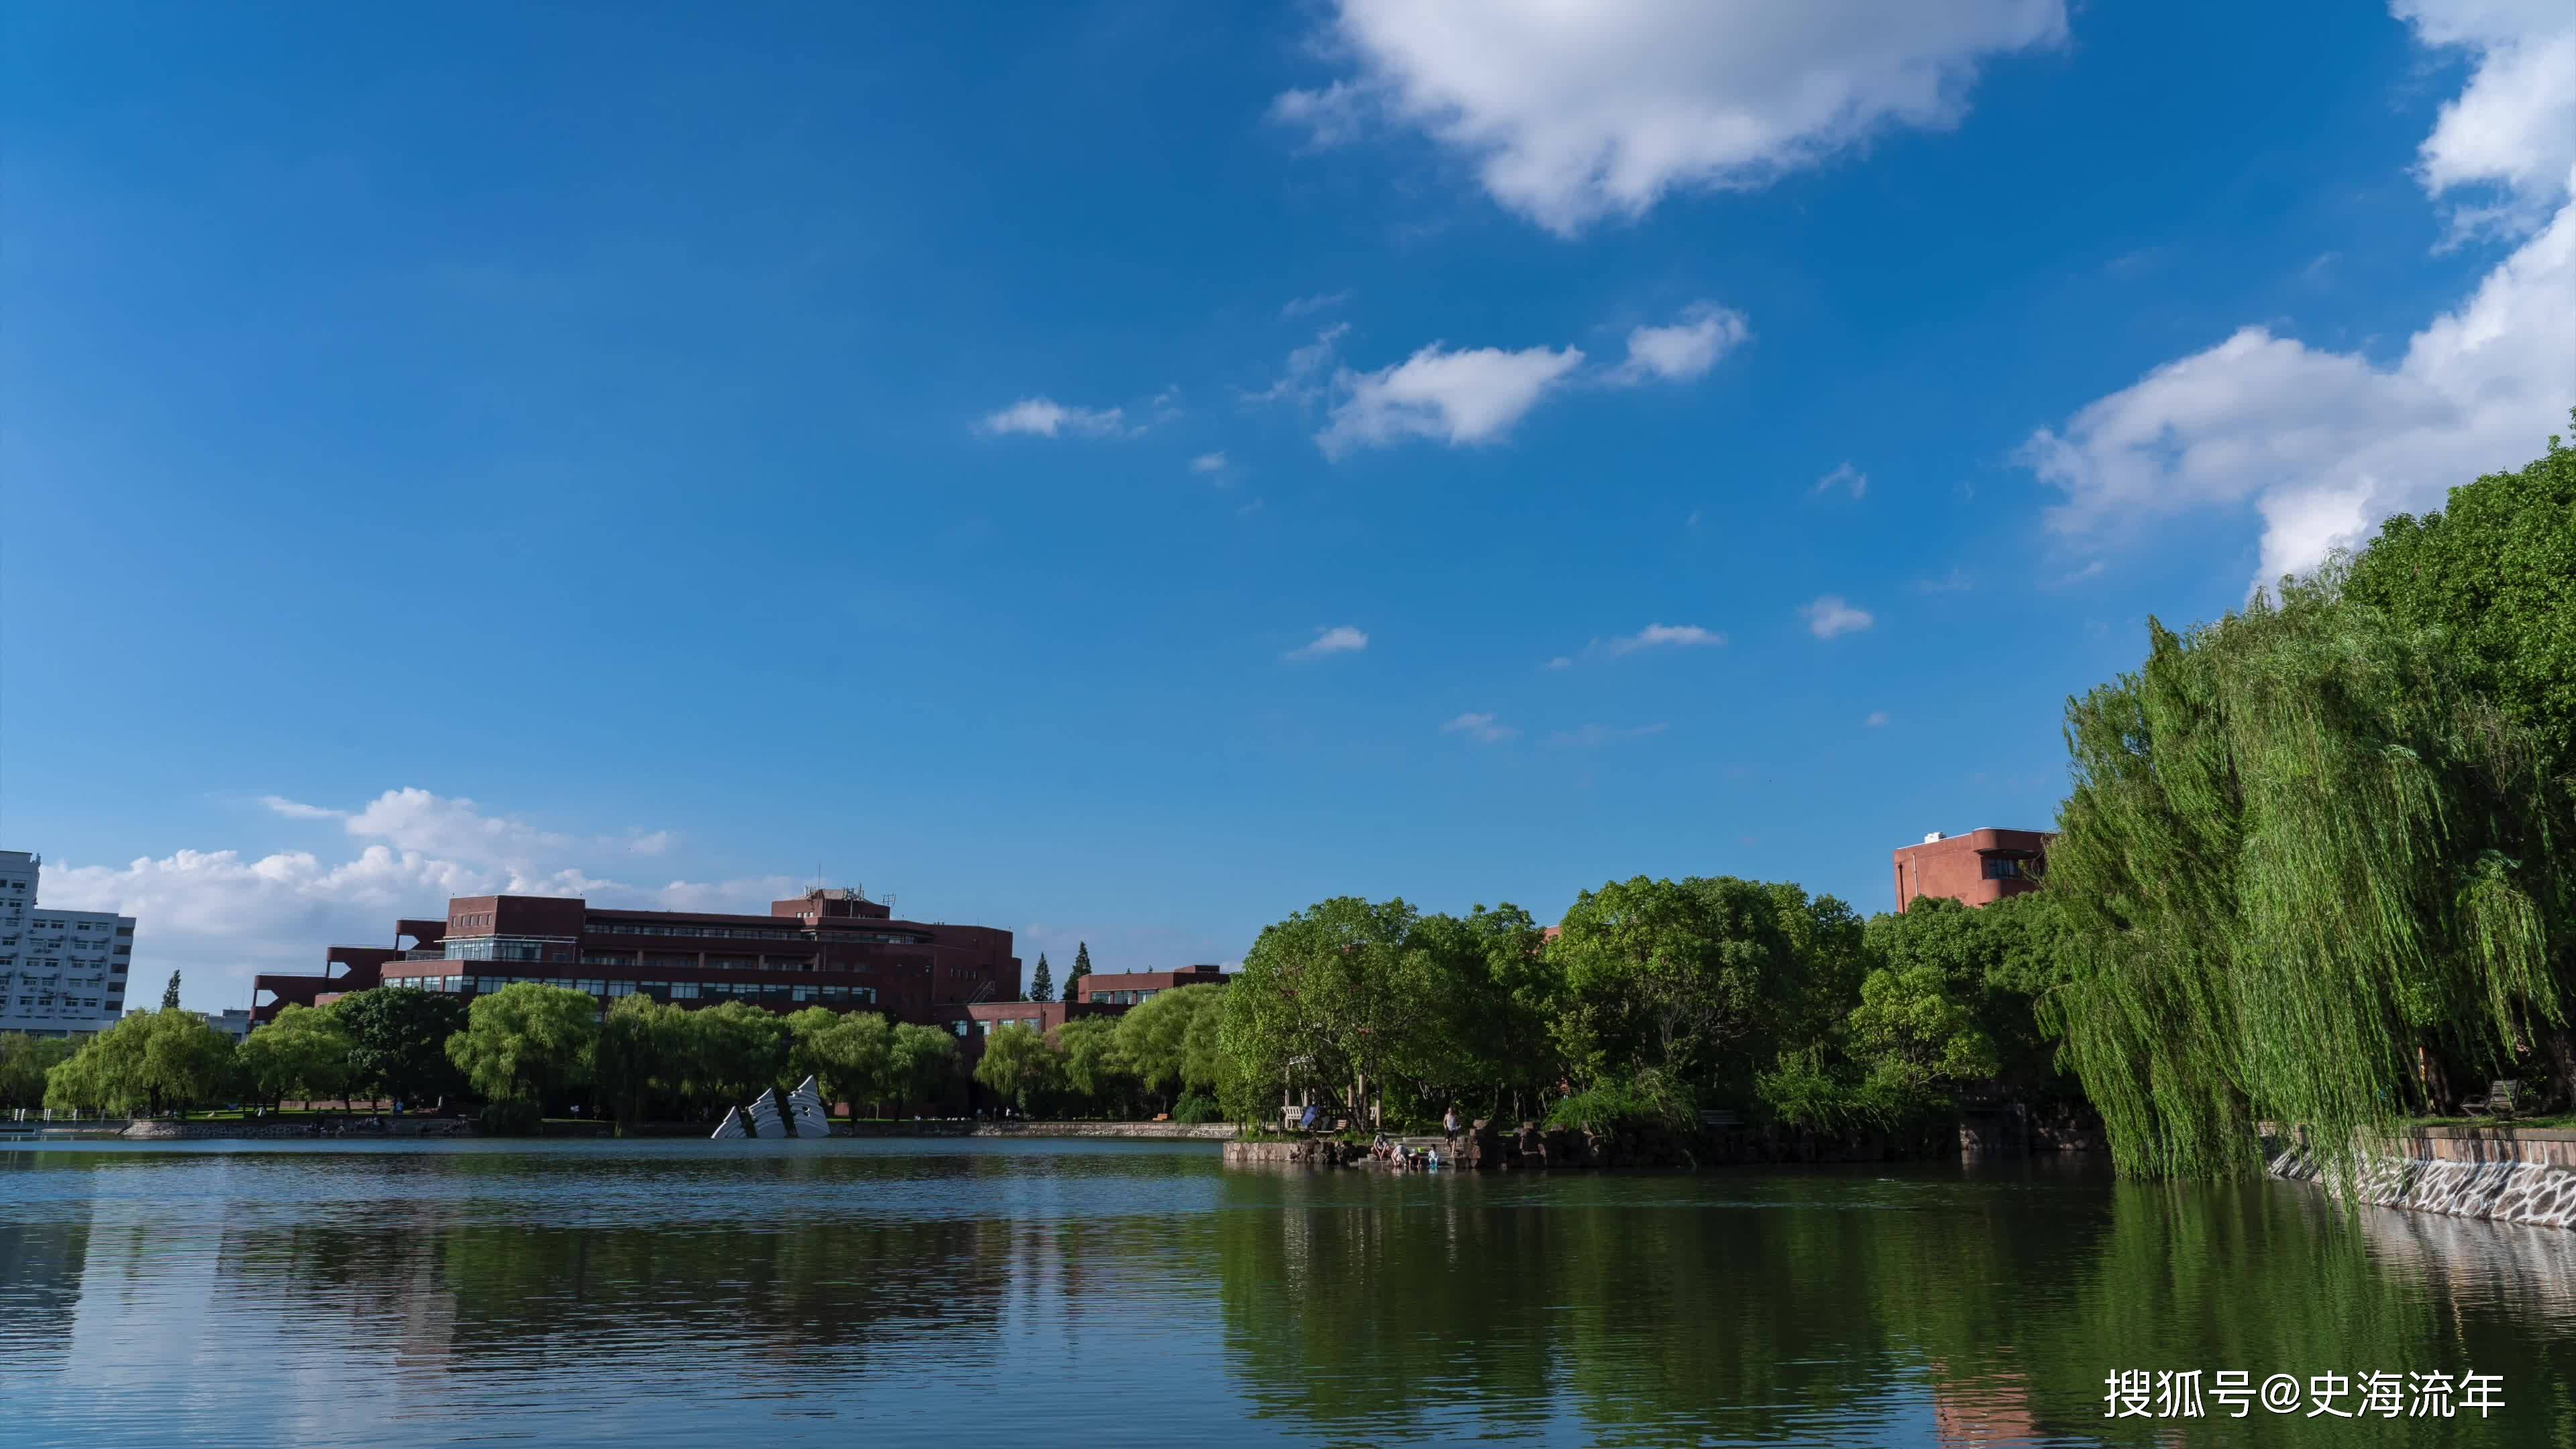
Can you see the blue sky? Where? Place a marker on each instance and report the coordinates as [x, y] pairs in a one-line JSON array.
[[1126, 471]]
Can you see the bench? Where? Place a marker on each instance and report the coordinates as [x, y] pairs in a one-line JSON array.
[[2497, 1103]]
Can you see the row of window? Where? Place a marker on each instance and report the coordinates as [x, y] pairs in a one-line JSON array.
[[1118, 998], [658, 990], [599, 927]]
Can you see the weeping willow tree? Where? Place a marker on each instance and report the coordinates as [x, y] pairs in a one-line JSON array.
[[2305, 869]]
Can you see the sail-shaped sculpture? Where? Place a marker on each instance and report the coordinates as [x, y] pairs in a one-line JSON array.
[[806, 1112], [731, 1126], [765, 1121]]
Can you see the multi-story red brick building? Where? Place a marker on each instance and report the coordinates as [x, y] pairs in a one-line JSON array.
[[1978, 868], [831, 948], [1102, 993]]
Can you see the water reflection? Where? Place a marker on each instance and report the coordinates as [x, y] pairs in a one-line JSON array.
[[659, 1293]]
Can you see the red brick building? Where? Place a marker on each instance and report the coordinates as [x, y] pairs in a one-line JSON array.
[[1978, 868], [830, 948], [1129, 988]]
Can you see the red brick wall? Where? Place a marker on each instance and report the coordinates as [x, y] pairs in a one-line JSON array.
[[1956, 867]]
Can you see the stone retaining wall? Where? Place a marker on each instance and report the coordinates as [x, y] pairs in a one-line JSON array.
[[2502, 1175], [1184, 1131]]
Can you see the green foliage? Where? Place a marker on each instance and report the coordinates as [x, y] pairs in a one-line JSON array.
[[1341, 997], [1020, 1066], [1081, 963], [1196, 1108], [733, 1051], [2493, 576], [850, 1054], [24, 1061], [525, 1042], [303, 1053], [921, 1063], [1157, 1038], [2301, 849], [643, 1053], [1095, 1069], [1665, 976], [1651, 1098], [170, 994], [398, 1041], [149, 1061], [1042, 984]]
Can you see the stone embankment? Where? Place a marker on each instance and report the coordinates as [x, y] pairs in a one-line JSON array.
[[2502, 1173], [159, 1131], [1491, 1146], [1181, 1131]]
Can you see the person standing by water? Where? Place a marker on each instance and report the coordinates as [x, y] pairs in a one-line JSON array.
[[1449, 1126]]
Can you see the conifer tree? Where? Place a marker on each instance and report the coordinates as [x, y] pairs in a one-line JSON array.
[[170, 994], [1081, 968], [1042, 985]]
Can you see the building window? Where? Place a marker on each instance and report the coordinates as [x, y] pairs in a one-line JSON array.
[[2003, 867]]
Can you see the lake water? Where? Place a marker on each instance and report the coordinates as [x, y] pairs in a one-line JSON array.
[[1069, 1293]]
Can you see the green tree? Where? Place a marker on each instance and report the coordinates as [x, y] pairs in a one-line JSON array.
[[734, 1051], [1019, 1066], [1153, 1037], [527, 1042], [398, 1041], [1094, 1067], [1916, 1031], [24, 1061], [1664, 979], [921, 1063], [1042, 985], [303, 1051], [170, 994], [148, 1061], [1081, 968], [2305, 863], [850, 1054], [642, 1054], [1334, 999], [2493, 576]]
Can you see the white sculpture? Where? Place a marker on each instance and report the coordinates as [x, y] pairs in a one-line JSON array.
[[731, 1126], [806, 1112]]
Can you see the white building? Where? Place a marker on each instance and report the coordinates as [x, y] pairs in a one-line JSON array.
[[62, 973], [234, 1023]]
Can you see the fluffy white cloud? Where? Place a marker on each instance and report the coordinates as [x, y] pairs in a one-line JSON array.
[[1208, 463], [2325, 444], [1847, 479], [1303, 379], [1685, 350], [221, 916], [1044, 417], [1832, 615], [1575, 112], [1341, 639], [1658, 636], [1877, 718], [1466, 397], [1482, 728]]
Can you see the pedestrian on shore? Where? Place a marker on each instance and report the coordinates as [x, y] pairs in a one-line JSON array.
[[1449, 1124]]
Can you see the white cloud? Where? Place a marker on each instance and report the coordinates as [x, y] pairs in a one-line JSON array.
[[1576, 112], [1830, 615], [220, 916], [1481, 728], [1593, 734], [1340, 639], [1877, 718], [2322, 445], [1303, 379], [1685, 350], [1208, 463], [1845, 478], [1459, 398], [1559, 662], [1657, 636], [1042, 417], [1317, 303], [2511, 132]]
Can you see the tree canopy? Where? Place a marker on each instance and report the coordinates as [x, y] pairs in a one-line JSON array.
[[398, 1041], [526, 1041]]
